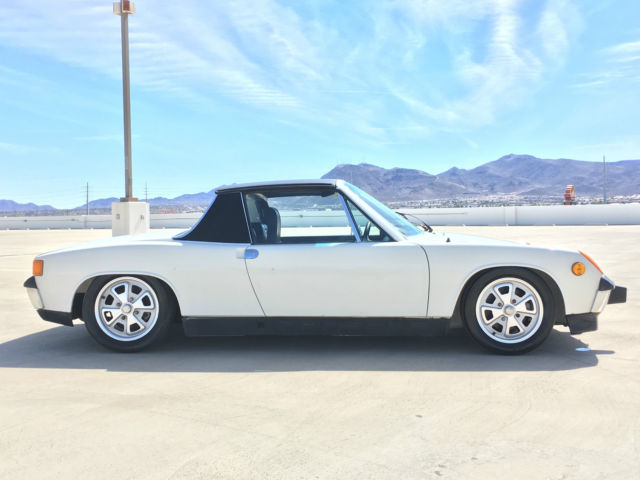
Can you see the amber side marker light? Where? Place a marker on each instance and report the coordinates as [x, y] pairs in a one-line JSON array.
[[38, 268], [578, 268], [592, 262]]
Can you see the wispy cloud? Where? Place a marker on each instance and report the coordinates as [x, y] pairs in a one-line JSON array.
[[560, 22], [19, 149], [620, 147], [10, 77], [624, 52], [402, 68], [501, 69], [172, 49], [622, 66]]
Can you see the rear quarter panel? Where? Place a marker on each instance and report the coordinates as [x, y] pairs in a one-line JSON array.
[[207, 278]]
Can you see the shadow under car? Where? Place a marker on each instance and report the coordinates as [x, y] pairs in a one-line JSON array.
[[65, 348]]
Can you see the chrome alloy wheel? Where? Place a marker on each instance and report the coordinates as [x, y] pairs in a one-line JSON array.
[[126, 308], [509, 310]]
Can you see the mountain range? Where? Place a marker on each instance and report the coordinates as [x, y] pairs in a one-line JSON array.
[[189, 199], [11, 206], [517, 175]]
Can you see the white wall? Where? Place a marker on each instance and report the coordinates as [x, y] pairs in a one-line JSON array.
[[160, 220], [174, 220], [612, 214], [56, 222]]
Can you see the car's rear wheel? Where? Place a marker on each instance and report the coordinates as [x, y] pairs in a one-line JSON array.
[[509, 310], [127, 313]]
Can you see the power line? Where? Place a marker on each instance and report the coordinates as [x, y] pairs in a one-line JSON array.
[[604, 180]]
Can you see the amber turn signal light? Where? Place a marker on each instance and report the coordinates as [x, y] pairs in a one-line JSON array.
[[38, 268], [578, 268]]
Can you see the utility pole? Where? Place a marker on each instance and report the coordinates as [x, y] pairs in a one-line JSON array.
[[604, 180], [87, 199]]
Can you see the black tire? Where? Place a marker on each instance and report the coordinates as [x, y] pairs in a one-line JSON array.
[[530, 339], [166, 313]]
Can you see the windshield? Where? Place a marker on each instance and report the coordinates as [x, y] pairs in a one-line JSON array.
[[403, 225]]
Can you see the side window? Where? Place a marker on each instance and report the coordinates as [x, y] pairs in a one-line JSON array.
[[369, 231], [224, 222], [283, 217]]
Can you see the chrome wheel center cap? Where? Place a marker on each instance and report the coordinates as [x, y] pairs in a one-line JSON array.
[[509, 310], [126, 309]]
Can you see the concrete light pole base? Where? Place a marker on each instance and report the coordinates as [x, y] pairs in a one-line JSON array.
[[129, 218]]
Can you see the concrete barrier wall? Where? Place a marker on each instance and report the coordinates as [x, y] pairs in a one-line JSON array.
[[55, 222], [160, 220], [615, 214], [611, 214], [174, 220]]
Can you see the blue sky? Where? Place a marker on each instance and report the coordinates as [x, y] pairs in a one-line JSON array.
[[230, 91]]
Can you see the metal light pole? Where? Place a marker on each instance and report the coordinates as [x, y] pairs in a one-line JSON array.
[[125, 8], [128, 215]]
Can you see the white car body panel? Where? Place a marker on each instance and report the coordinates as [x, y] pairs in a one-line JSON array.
[[352, 279], [453, 263], [417, 276], [207, 278], [341, 279]]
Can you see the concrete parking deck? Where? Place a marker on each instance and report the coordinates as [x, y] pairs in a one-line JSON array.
[[321, 407]]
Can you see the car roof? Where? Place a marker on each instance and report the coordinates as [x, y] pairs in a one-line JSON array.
[[278, 184]]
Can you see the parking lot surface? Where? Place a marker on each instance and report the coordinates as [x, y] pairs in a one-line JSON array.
[[340, 407]]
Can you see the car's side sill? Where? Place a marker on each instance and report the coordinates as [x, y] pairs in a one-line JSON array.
[[221, 326]]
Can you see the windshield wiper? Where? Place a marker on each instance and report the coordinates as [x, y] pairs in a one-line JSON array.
[[422, 226]]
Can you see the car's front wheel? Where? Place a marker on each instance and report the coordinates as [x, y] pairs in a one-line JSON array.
[[127, 313], [509, 310]]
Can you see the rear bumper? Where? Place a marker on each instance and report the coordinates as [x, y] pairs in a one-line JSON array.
[[32, 292], [63, 318]]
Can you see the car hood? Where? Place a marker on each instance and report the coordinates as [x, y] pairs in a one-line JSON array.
[[460, 239], [151, 237]]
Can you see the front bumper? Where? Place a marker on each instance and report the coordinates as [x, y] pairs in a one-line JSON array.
[[63, 318], [607, 293]]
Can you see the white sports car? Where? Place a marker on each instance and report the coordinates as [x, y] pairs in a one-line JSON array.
[[319, 257]]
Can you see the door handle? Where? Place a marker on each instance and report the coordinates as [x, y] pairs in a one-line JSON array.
[[251, 253]]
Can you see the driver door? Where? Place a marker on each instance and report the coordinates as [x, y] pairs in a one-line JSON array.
[[314, 261]]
